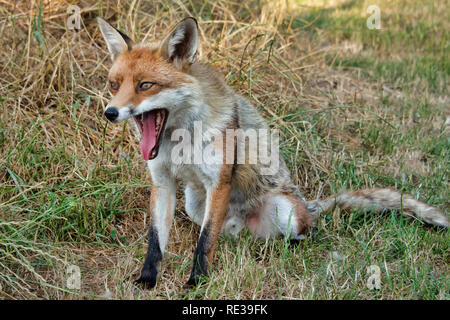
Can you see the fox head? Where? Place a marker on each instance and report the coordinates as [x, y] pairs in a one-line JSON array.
[[151, 83]]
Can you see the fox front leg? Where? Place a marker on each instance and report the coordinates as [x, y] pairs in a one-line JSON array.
[[149, 271], [217, 201], [162, 208]]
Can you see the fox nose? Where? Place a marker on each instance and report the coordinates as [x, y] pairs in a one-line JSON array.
[[111, 113]]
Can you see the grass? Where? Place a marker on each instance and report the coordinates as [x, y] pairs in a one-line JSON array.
[[355, 108]]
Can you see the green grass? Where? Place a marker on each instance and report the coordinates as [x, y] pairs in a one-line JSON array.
[[410, 47], [355, 108]]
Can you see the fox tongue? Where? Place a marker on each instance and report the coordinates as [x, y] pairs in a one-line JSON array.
[[148, 135]]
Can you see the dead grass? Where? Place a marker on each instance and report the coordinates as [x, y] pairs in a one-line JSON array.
[[75, 191]]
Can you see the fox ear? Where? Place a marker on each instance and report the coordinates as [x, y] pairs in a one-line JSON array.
[[182, 43], [116, 41]]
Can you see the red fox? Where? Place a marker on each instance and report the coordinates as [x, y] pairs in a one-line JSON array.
[[163, 89]]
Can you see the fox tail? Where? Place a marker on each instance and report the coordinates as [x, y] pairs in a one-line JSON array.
[[378, 200]]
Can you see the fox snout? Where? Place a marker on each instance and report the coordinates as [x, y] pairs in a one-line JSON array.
[[117, 114], [111, 113]]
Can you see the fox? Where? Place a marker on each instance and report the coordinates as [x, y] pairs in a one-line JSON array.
[[162, 87]]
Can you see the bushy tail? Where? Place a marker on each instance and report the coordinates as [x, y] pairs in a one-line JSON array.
[[378, 200]]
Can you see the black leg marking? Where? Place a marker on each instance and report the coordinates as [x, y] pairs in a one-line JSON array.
[[294, 242], [149, 272], [200, 267]]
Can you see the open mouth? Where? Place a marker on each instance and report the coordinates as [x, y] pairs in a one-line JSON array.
[[151, 125]]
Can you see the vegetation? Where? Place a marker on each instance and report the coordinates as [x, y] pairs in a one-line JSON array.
[[355, 107]]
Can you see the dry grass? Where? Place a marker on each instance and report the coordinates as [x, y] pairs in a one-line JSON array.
[[74, 189]]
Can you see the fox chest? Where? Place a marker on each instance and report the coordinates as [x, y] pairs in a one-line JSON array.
[[199, 174]]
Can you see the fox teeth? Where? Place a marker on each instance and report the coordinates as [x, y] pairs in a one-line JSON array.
[[153, 153], [158, 118]]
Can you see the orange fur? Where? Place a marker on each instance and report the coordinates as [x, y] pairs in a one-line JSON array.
[[220, 198], [142, 64], [301, 214]]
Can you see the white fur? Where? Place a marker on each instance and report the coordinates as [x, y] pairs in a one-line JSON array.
[[178, 37], [233, 225], [169, 99], [195, 208], [164, 207], [124, 113], [114, 41], [276, 217], [195, 204]]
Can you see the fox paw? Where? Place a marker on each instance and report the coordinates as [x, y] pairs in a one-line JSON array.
[[195, 281], [147, 280]]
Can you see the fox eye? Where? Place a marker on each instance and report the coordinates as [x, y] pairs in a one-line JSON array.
[[145, 85], [114, 85]]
